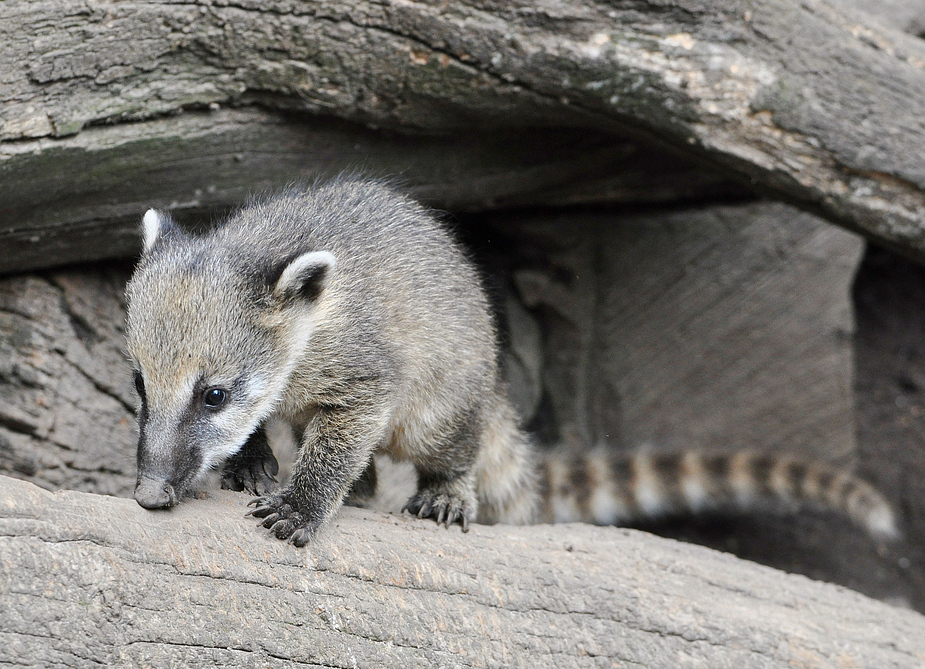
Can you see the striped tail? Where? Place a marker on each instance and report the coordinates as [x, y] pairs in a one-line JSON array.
[[608, 488]]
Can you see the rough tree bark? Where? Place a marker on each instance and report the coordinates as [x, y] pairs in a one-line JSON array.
[[805, 100], [88, 580]]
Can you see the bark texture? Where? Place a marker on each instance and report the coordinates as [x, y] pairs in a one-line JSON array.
[[67, 411], [705, 328], [198, 164], [88, 580], [806, 101]]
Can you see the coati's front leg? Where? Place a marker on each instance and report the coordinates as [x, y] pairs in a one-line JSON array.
[[336, 448], [253, 468]]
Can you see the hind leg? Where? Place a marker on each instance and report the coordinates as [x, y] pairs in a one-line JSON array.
[[446, 482], [445, 499]]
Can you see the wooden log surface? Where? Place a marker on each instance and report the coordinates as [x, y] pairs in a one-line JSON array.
[[80, 198], [811, 102], [721, 327], [88, 580]]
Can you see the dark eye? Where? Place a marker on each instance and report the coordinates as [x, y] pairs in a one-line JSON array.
[[214, 397]]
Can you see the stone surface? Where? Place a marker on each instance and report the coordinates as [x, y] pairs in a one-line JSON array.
[[88, 580]]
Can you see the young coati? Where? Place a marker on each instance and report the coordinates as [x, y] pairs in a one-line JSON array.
[[347, 311]]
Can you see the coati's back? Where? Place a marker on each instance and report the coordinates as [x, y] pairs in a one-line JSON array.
[[401, 301]]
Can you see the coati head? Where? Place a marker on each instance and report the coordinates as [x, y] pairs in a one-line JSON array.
[[213, 333]]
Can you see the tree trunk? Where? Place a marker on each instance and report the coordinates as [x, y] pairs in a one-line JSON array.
[[804, 101], [88, 580]]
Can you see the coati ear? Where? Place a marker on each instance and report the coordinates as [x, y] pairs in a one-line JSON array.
[[304, 276], [154, 226]]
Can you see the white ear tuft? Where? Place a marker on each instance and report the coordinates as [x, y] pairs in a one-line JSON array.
[[153, 225], [305, 275]]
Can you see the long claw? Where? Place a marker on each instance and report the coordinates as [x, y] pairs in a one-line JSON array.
[[299, 538], [270, 520], [441, 515], [255, 501], [282, 529], [465, 524]]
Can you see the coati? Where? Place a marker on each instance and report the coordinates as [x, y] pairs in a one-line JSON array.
[[347, 311]]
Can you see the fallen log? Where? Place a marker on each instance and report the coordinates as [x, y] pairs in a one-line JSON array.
[[86, 579], [809, 102]]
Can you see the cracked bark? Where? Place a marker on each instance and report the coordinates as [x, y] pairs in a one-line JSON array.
[[88, 580], [67, 416], [493, 103]]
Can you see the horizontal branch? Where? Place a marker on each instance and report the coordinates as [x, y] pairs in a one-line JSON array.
[[804, 101], [87, 579], [198, 163]]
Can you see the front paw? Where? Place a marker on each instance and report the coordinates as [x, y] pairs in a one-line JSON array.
[[283, 520], [256, 475]]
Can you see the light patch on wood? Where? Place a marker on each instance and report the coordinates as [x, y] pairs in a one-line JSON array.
[[683, 40]]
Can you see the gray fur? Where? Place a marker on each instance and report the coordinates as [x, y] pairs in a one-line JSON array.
[[390, 348], [347, 312]]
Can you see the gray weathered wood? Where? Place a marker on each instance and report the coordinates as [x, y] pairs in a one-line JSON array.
[[198, 163], [86, 580], [67, 410], [804, 100], [719, 327]]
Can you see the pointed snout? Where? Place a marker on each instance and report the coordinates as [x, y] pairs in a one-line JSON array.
[[154, 493]]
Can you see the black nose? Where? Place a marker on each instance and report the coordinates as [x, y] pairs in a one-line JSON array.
[[154, 493]]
